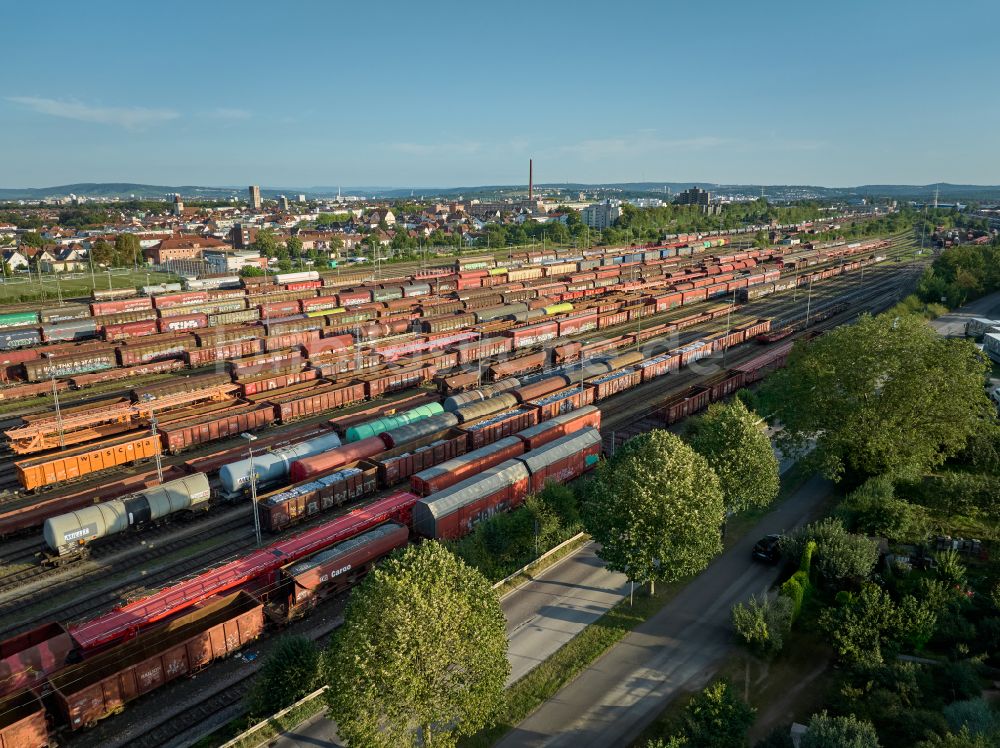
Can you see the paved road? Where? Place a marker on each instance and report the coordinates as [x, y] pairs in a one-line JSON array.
[[952, 324], [675, 651]]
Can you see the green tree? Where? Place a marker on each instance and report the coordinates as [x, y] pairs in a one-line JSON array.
[[288, 674], [717, 718], [656, 509], [674, 741], [874, 509], [251, 271], [127, 251], [884, 396], [762, 623], [32, 239], [950, 568], [730, 437], [294, 248], [839, 556], [839, 732], [422, 656], [964, 739], [265, 242], [102, 252]]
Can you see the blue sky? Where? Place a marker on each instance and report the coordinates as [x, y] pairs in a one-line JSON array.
[[442, 94]]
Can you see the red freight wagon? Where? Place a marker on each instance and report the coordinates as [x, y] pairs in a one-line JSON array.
[[686, 403], [165, 301], [278, 309], [566, 353], [453, 512], [611, 319], [519, 365], [563, 459], [143, 353], [223, 352], [11, 361], [492, 428], [689, 297], [136, 304], [399, 464], [304, 285], [318, 303], [576, 325], [482, 349], [394, 380], [314, 398], [472, 463], [660, 365], [182, 323], [353, 298], [529, 335], [335, 569], [23, 723], [287, 358], [290, 340], [611, 384], [562, 401], [269, 382], [293, 504], [26, 659], [114, 333], [559, 426], [101, 685], [330, 344], [180, 435]]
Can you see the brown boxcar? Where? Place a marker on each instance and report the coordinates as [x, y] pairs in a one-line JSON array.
[[279, 509], [683, 404], [187, 433], [453, 471], [562, 401], [182, 323], [74, 463], [143, 353], [270, 382], [22, 722], [607, 385], [312, 398], [290, 340], [274, 361], [562, 425], [490, 429], [399, 464], [211, 353], [104, 683]]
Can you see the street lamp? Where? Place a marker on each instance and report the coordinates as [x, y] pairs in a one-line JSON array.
[[253, 484]]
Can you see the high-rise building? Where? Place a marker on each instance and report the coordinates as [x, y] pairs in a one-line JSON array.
[[283, 202], [693, 196], [302, 198], [255, 196], [603, 214], [178, 205]]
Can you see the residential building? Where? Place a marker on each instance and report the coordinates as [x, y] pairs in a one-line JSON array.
[[182, 247], [603, 214], [232, 260], [178, 205], [693, 196], [255, 196], [14, 259]]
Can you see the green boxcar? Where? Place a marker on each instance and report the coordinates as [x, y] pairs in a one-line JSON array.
[[18, 319]]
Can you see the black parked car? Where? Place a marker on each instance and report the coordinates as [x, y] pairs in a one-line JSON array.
[[768, 549]]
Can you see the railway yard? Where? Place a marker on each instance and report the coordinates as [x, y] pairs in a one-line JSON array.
[[145, 436]]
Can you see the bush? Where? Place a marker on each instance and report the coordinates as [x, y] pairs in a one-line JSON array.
[[874, 509], [288, 674], [956, 681], [975, 715], [840, 557], [763, 623], [717, 718], [839, 732], [796, 589]]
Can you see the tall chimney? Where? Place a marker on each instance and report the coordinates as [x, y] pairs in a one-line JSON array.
[[531, 180]]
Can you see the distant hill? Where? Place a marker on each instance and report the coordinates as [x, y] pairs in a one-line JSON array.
[[947, 192]]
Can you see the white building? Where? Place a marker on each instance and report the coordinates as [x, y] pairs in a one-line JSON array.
[[603, 214], [991, 345]]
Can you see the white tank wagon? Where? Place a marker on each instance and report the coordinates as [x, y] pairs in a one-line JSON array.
[[271, 467], [69, 534]]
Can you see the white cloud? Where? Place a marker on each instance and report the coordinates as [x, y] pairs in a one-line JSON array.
[[132, 118], [229, 113]]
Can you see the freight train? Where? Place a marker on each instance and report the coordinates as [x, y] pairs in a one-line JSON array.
[[88, 669]]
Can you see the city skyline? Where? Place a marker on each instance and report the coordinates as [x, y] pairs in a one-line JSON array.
[[790, 95]]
